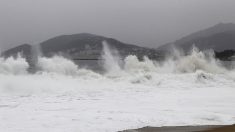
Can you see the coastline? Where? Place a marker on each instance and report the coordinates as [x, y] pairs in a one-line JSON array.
[[209, 128]]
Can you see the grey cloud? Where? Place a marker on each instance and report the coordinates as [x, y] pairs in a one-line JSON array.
[[143, 22]]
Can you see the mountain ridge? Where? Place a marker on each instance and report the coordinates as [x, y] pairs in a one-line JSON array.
[[84, 41], [80, 47], [203, 39]]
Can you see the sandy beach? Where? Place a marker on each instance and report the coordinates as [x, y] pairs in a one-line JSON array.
[[212, 128]]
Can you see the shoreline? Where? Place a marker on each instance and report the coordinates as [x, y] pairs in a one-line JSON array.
[[206, 128]]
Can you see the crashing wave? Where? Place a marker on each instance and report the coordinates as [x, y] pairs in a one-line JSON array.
[[57, 64], [198, 65], [198, 60], [13, 65]]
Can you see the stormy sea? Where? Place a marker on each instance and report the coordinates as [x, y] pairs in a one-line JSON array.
[[192, 89]]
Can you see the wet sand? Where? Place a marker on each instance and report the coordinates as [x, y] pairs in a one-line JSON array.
[[186, 129]]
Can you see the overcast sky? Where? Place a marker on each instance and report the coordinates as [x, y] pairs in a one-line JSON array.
[[142, 22]]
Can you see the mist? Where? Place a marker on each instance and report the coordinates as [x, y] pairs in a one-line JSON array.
[[146, 23]]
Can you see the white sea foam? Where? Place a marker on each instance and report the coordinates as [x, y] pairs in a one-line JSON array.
[[57, 64], [13, 65], [193, 89], [146, 72], [198, 61]]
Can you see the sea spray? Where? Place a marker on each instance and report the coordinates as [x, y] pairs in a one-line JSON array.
[[36, 50], [62, 74], [179, 91], [133, 65], [13, 65], [36, 53], [111, 64], [198, 60], [57, 64]]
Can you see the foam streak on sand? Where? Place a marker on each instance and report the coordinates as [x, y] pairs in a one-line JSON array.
[[186, 90]]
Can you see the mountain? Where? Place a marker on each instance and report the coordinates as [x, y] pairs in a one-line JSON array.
[[219, 38], [80, 47], [90, 45], [25, 49], [226, 55]]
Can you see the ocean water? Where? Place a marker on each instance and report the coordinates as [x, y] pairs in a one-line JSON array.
[[194, 89]]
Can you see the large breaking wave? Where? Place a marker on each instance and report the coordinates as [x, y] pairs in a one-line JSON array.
[[59, 73], [193, 89]]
